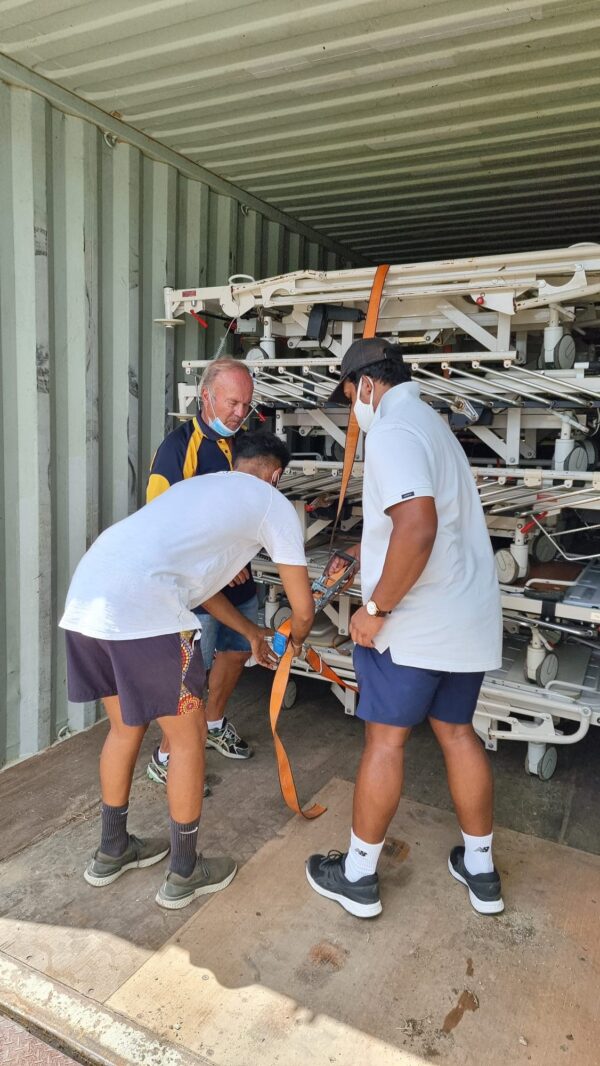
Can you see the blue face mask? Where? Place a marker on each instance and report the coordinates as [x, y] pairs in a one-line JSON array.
[[220, 428], [216, 424]]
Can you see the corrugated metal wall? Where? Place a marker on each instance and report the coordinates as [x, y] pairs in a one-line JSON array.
[[90, 232], [409, 129]]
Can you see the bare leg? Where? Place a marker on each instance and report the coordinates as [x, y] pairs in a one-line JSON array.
[[379, 780], [119, 754], [186, 735], [469, 776], [225, 673]]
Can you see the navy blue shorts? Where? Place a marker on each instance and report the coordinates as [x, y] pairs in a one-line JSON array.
[[153, 677], [406, 695]]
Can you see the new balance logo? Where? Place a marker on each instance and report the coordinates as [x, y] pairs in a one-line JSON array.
[[483, 850], [359, 852]]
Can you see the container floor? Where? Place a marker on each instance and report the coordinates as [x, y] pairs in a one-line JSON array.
[[268, 971]]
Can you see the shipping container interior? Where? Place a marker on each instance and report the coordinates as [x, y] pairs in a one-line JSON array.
[[308, 140], [253, 162]]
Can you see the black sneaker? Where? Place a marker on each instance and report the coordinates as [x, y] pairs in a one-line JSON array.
[[485, 890], [325, 873]]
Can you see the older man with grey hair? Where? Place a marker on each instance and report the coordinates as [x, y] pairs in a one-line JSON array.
[[203, 445]]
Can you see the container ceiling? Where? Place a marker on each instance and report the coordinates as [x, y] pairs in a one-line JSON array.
[[406, 130]]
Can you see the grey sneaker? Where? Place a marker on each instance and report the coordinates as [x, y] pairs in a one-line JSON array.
[[228, 742], [157, 771], [485, 890], [104, 869], [325, 873], [210, 875]]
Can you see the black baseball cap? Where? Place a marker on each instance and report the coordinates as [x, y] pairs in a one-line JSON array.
[[361, 353]]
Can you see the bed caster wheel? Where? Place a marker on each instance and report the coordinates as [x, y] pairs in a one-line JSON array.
[[546, 765], [507, 566], [577, 459], [290, 695], [542, 549], [591, 449], [565, 353], [547, 670]]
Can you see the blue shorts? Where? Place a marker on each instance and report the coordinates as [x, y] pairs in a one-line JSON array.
[[406, 695], [217, 637]]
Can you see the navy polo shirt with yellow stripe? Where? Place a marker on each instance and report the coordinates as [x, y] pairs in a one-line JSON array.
[[192, 449]]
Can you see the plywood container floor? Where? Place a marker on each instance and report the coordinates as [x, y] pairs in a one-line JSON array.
[[267, 971]]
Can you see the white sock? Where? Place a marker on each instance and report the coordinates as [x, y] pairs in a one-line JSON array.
[[218, 724], [362, 858], [478, 854], [163, 757]]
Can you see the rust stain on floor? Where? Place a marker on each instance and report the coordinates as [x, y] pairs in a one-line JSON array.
[[328, 955], [324, 959], [396, 850], [467, 1001]]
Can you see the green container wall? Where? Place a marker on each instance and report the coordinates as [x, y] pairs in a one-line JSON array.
[[90, 232]]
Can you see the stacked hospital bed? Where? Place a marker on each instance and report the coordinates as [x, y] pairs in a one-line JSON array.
[[507, 349]]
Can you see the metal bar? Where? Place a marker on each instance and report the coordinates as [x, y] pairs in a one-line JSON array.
[[320, 419], [548, 376], [469, 325]]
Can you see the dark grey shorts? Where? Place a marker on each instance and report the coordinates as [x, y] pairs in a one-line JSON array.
[[153, 677]]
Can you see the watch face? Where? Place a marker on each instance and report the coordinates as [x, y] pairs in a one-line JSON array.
[[371, 607]]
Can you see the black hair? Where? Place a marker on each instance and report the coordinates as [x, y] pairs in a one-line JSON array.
[[389, 371], [260, 445]]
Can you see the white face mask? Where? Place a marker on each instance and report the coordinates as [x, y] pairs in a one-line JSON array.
[[364, 412]]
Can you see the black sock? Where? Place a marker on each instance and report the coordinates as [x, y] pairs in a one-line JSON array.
[[184, 837], [114, 838]]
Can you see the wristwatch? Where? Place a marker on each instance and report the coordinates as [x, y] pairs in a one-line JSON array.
[[374, 611]]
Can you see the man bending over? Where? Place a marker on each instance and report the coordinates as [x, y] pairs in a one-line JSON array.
[[131, 641]]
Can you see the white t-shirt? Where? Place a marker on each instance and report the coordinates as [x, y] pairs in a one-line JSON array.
[[143, 576], [451, 618]]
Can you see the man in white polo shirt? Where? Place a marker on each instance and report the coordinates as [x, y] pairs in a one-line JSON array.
[[429, 627]]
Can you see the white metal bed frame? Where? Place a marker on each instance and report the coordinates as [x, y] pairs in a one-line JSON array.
[[500, 344]]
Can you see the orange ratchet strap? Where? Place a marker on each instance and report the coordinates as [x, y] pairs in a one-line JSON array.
[[352, 430], [282, 674]]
